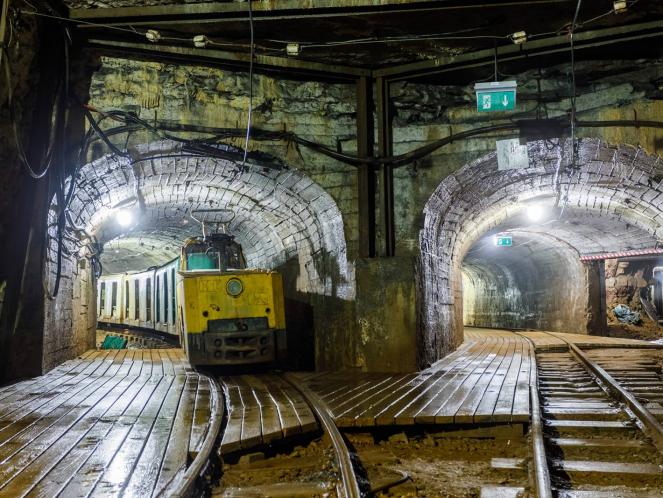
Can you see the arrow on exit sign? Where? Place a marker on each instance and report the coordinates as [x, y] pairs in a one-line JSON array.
[[503, 240], [496, 96]]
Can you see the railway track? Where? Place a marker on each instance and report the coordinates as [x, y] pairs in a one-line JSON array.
[[592, 437], [304, 465], [349, 486]]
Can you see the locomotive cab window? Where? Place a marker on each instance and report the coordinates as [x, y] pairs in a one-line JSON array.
[[217, 252], [173, 306]]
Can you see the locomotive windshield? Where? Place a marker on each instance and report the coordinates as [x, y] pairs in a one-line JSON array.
[[217, 252]]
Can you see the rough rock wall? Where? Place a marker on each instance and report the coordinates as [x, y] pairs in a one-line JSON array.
[[214, 98], [623, 281]]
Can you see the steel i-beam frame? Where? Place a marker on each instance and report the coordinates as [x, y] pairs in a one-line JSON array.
[[366, 172], [385, 149]]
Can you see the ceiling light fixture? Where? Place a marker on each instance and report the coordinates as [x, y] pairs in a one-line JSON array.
[[292, 49], [153, 35], [124, 217], [535, 212], [200, 41], [519, 37], [620, 6]]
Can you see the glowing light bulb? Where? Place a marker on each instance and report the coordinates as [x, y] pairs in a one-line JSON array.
[[124, 217], [535, 212]]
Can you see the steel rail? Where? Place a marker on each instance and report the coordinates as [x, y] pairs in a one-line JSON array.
[[350, 486], [541, 470], [648, 422], [186, 485], [650, 425]]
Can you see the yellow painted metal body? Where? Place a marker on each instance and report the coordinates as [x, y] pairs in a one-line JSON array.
[[262, 296], [219, 328]]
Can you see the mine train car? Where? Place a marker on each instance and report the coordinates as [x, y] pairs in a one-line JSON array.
[[146, 299], [222, 312]]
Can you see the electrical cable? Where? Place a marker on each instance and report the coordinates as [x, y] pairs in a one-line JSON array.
[[210, 147], [250, 115], [60, 176], [36, 13], [36, 173], [573, 118]]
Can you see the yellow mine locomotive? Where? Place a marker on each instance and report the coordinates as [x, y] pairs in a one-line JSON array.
[[228, 314], [224, 313]]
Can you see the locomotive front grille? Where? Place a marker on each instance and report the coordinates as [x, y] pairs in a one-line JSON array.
[[237, 324], [233, 348]]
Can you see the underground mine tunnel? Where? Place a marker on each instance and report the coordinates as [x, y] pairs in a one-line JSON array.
[[334, 248]]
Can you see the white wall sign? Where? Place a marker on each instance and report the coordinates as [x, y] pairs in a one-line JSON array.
[[511, 155]]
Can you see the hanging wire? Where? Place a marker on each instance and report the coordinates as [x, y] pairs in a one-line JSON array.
[[35, 12], [573, 166], [495, 53], [250, 113], [573, 85], [35, 172]]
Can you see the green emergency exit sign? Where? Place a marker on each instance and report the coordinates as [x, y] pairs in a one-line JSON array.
[[496, 96], [503, 240]]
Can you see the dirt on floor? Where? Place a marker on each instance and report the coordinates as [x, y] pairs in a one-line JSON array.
[[433, 465], [307, 470], [647, 330], [417, 464]]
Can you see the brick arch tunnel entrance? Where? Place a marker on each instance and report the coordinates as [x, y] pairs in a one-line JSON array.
[[282, 219], [556, 218]]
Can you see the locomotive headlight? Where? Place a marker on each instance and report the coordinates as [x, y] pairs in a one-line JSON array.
[[234, 287]]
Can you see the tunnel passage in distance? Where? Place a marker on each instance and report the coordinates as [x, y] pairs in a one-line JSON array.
[[610, 201], [282, 219]]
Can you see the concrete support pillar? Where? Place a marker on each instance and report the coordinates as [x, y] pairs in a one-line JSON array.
[[597, 323], [386, 314]]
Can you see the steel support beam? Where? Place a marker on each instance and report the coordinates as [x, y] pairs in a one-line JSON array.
[[535, 48], [296, 67], [385, 149], [282, 10], [366, 172], [236, 60]]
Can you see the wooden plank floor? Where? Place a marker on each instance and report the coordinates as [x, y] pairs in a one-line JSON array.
[[485, 380], [262, 409], [109, 423]]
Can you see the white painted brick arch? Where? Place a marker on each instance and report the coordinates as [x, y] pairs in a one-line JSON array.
[[279, 214], [615, 202]]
